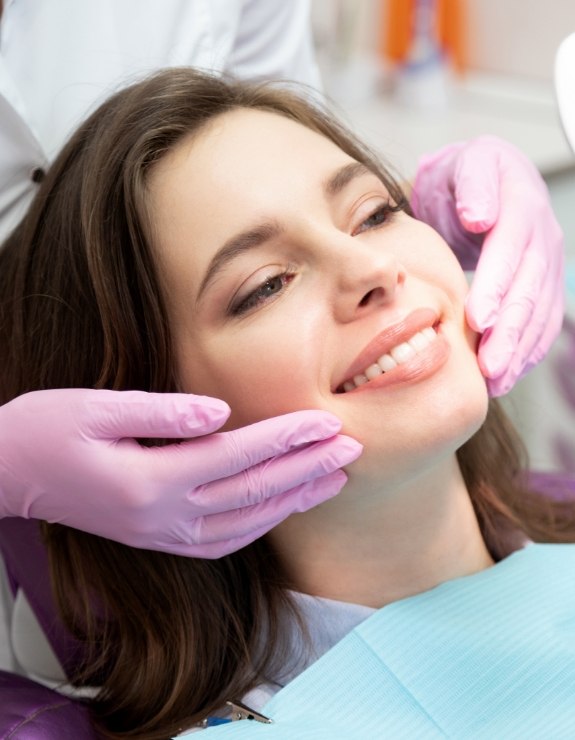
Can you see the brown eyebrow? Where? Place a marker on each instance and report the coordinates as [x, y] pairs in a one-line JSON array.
[[237, 245], [264, 232], [342, 177]]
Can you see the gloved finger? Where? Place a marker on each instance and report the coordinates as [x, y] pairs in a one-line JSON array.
[[275, 476], [538, 336], [476, 187], [214, 550], [501, 255], [227, 453], [251, 521], [520, 316], [117, 414]]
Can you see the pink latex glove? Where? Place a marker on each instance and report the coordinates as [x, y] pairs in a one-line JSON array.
[[68, 456], [488, 200]]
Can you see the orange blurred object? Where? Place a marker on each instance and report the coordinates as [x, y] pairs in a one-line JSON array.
[[398, 30], [451, 31]]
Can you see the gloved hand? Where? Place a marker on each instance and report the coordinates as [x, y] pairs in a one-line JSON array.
[[488, 200], [68, 456]]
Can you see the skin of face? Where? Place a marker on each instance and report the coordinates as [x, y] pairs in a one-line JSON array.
[[319, 280]]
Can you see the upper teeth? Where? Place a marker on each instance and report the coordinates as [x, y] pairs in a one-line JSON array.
[[396, 356]]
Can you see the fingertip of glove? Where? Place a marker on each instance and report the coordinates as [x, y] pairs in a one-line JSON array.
[[474, 220], [328, 486], [322, 424], [348, 449], [205, 409], [497, 387], [480, 316], [495, 369]]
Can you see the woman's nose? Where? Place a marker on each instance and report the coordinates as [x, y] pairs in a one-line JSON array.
[[366, 283]]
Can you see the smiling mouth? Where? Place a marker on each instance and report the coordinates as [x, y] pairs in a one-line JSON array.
[[398, 355]]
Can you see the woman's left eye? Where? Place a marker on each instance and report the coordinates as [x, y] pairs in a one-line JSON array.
[[378, 217], [271, 287]]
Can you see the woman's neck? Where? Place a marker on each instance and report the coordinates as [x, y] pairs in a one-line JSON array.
[[373, 547]]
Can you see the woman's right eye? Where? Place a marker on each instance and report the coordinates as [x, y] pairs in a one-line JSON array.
[[270, 288]]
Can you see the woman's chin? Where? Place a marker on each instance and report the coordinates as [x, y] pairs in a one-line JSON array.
[[392, 452]]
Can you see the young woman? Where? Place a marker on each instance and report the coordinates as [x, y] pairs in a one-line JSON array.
[[205, 236]]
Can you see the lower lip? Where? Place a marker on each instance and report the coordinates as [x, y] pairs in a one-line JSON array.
[[423, 365]]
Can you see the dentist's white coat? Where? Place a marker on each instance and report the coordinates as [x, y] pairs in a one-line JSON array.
[[60, 59]]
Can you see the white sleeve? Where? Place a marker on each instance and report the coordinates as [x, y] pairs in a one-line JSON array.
[[274, 41]]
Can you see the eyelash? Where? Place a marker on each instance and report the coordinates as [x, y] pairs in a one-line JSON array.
[[386, 210], [257, 296]]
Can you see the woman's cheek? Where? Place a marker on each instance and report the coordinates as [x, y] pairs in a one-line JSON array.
[[257, 383]]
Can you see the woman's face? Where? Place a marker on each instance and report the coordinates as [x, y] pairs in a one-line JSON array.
[[290, 282]]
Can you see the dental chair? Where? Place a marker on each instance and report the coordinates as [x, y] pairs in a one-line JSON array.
[[29, 710]]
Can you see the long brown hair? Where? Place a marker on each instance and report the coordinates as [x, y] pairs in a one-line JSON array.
[[170, 639]]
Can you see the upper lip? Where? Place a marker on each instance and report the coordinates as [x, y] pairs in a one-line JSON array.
[[390, 337]]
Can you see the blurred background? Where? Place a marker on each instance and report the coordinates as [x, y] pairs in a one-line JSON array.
[[410, 76]]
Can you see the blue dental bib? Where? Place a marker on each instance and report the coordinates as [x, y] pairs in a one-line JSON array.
[[488, 656]]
